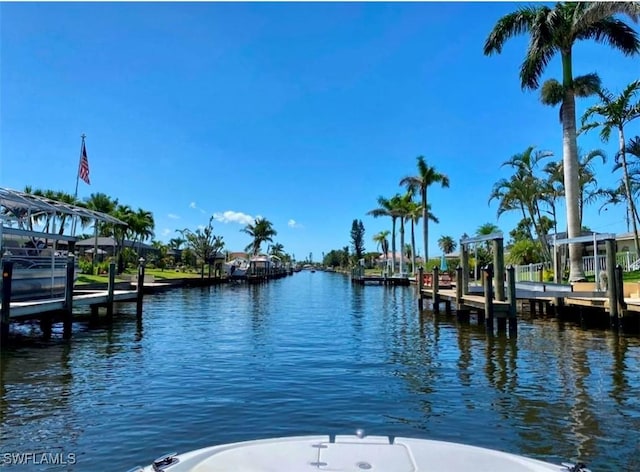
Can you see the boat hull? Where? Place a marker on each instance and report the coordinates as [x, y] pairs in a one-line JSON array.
[[36, 278], [349, 453]]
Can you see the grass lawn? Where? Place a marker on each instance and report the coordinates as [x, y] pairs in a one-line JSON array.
[[158, 274], [633, 276]]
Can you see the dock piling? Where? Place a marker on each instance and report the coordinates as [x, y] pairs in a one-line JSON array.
[[110, 289], [458, 288], [420, 286], [511, 292], [498, 256], [7, 274], [488, 295], [436, 287], [68, 298], [140, 287], [612, 292]]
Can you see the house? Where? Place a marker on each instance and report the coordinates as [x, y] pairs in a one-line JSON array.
[[106, 246]]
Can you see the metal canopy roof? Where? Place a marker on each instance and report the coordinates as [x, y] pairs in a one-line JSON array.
[[36, 204]]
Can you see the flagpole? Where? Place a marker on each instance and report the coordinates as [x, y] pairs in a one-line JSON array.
[[75, 195]]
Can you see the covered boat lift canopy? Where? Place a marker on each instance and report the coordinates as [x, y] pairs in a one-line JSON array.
[[19, 208]]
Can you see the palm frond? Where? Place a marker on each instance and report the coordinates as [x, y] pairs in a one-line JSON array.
[[513, 24], [586, 85], [552, 92], [613, 32], [534, 65], [592, 12]]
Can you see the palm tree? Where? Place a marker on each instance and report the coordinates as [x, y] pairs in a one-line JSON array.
[[389, 207], [414, 214], [447, 244], [261, 230], [616, 113], [382, 243], [522, 191], [142, 225], [105, 204], [555, 30], [427, 176]]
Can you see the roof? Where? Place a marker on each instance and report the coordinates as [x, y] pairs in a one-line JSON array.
[[36, 204], [104, 241]]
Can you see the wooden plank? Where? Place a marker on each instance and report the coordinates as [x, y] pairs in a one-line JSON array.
[[34, 307]]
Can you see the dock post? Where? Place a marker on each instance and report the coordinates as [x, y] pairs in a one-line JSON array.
[[620, 288], [435, 285], [5, 315], [46, 326], [68, 298], [140, 287], [420, 286], [465, 269], [612, 291], [488, 296], [511, 286], [498, 264], [110, 289], [458, 287]]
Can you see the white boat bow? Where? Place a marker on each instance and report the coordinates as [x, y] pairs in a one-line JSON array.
[[350, 453]]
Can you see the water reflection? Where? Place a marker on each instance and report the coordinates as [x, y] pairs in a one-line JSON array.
[[314, 354]]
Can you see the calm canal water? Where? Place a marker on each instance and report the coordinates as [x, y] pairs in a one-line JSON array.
[[313, 354]]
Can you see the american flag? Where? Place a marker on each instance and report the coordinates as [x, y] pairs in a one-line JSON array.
[[83, 170]]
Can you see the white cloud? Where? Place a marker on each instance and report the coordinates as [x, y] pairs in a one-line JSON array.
[[173, 216], [166, 232], [293, 224], [233, 217], [192, 205]]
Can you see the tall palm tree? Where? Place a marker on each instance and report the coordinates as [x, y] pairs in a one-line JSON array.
[[414, 214], [389, 207], [261, 231], [555, 30], [427, 176], [615, 113]]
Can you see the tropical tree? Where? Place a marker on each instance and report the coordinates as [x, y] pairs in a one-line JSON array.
[[261, 231], [204, 244], [522, 191], [389, 207], [382, 243], [555, 30], [614, 113], [414, 214], [104, 204], [427, 176], [357, 239], [447, 244], [141, 226]]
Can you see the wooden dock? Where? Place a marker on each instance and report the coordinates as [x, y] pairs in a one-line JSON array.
[[358, 277], [617, 303], [62, 307]]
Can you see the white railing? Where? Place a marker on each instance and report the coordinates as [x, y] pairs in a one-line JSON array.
[[624, 259], [531, 272]]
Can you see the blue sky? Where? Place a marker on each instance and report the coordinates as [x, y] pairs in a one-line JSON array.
[[303, 113]]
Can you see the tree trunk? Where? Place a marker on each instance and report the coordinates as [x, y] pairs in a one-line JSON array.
[[393, 245], [401, 245], [570, 165], [413, 248], [425, 225], [627, 189]]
